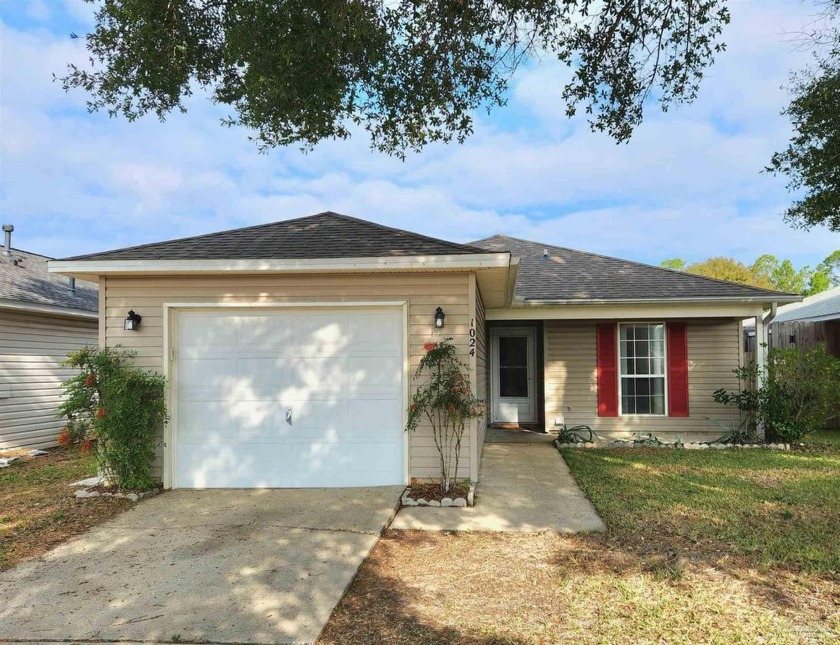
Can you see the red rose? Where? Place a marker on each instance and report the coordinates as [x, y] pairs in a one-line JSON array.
[[86, 445], [90, 380], [429, 346], [63, 437], [100, 413]]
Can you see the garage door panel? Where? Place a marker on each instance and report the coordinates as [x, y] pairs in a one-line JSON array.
[[388, 331], [372, 373], [227, 422], [264, 371], [374, 416], [263, 332], [203, 329], [320, 331], [340, 374], [234, 466], [194, 372]]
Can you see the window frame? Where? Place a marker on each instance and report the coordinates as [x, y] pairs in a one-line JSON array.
[[620, 374]]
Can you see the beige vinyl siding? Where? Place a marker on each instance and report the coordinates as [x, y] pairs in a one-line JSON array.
[[423, 292], [480, 368], [571, 385], [32, 346]]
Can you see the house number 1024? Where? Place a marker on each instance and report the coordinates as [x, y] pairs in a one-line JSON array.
[[472, 336]]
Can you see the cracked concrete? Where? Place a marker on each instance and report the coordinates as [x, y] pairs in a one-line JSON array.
[[221, 566]]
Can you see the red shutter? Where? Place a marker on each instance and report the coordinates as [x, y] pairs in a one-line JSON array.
[[607, 359], [677, 369]]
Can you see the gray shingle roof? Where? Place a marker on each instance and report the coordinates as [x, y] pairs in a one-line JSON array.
[[29, 282], [567, 274], [322, 236], [822, 306]]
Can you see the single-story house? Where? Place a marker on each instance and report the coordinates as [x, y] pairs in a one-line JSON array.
[[43, 317], [290, 347]]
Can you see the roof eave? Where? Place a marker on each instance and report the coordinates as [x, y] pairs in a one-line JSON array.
[[52, 310], [454, 262], [716, 300]]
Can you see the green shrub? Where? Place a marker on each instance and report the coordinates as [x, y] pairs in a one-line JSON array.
[[124, 406], [800, 394]]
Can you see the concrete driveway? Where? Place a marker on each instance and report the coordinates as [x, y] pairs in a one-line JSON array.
[[228, 566]]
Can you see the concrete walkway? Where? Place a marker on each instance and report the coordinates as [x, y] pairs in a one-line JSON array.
[[222, 566], [524, 487]]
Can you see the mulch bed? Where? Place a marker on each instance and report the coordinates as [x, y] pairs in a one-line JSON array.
[[38, 509], [431, 491]]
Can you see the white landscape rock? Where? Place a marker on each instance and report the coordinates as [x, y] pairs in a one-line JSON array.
[[459, 502], [90, 481], [446, 501], [434, 502]]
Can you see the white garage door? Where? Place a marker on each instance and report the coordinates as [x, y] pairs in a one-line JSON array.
[[289, 398]]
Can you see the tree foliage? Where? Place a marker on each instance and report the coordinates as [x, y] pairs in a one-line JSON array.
[[123, 406], [810, 160], [410, 72], [767, 272]]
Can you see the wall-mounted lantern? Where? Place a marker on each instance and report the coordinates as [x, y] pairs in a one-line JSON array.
[[792, 339], [439, 317], [132, 321]]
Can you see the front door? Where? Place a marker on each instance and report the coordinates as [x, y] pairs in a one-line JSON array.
[[513, 360]]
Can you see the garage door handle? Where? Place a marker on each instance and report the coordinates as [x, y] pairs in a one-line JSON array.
[[289, 416]]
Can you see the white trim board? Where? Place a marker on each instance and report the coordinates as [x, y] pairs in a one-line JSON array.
[[328, 265], [619, 312]]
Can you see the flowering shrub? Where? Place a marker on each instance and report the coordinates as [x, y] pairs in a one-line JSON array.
[[446, 401], [123, 407]]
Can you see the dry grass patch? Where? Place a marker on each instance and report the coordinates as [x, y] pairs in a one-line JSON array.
[[703, 547], [37, 507], [471, 588]]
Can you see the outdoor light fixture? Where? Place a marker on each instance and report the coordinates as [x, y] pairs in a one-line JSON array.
[[132, 321], [439, 316], [792, 339]]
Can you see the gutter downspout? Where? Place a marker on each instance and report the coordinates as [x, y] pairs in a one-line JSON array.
[[761, 348]]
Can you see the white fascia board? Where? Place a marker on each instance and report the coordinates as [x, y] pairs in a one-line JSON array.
[[329, 265], [627, 311], [53, 310], [718, 300]]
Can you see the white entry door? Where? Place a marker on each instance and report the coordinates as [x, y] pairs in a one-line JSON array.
[[288, 398], [513, 354]]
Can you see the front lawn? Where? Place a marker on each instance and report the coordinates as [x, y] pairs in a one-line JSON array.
[[711, 546], [37, 507], [823, 438], [779, 508]]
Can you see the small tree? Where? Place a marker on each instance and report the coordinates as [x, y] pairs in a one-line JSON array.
[[123, 407], [446, 401]]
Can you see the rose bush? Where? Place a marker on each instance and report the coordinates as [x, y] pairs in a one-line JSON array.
[[445, 400]]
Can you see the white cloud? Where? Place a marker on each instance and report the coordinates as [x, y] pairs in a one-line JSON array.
[[688, 184]]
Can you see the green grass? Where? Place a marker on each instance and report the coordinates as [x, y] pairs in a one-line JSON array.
[[822, 438], [779, 508]]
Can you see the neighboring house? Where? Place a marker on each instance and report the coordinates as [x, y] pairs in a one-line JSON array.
[[806, 324], [290, 347], [43, 317]]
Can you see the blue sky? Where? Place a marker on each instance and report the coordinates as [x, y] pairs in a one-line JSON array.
[[689, 184]]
